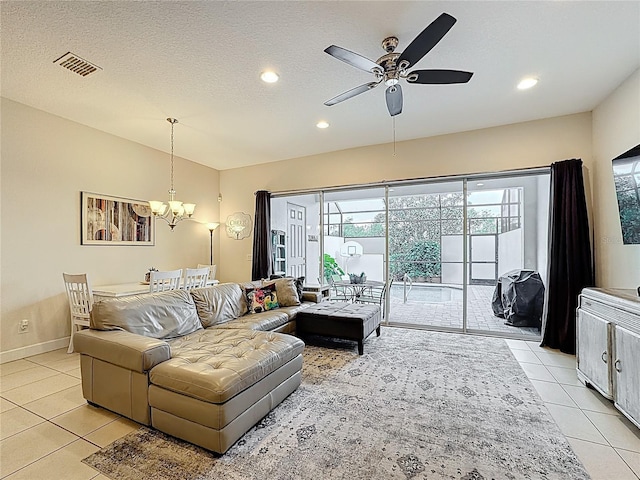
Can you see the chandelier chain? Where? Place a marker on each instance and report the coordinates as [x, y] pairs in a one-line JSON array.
[[172, 121]]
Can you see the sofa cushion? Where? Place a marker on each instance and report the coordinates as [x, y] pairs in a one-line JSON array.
[[262, 299], [293, 311], [219, 304], [286, 291], [157, 315], [264, 321], [214, 365]]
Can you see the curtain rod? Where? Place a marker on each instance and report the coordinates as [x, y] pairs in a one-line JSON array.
[[417, 180]]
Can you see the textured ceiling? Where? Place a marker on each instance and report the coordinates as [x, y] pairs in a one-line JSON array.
[[200, 62]]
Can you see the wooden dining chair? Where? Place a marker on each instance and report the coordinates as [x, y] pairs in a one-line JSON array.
[[167, 280], [195, 277], [212, 270], [80, 302]]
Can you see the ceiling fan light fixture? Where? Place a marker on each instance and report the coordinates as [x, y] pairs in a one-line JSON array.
[[269, 76], [393, 66], [322, 124], [527, 83]]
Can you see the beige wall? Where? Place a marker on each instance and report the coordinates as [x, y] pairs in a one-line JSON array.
[[46, 162], [530, 144], [616, 129]]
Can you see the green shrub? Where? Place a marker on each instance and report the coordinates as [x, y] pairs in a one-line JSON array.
[[422, 260]]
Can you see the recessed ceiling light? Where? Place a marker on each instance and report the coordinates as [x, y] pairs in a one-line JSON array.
[[527, 82], [322, 124], [269, 76]]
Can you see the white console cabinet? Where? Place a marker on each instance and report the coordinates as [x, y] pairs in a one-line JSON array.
[[608, 346]]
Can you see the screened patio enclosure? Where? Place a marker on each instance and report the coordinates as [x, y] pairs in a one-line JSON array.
[[441, 245]]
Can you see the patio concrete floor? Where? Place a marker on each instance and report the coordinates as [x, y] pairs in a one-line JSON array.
[[448, 314]]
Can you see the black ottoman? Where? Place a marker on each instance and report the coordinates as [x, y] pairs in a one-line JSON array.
[[350, 321]]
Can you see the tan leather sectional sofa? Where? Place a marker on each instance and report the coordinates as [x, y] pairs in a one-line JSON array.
[[191, 364]]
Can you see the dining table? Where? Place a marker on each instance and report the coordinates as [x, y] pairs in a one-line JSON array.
[[117, 290], [359, 288]]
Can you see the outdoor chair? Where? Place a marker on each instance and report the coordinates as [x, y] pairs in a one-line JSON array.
[[342, 293], [376, 295]]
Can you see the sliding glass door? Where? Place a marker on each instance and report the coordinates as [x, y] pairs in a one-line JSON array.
[[354, 234], [426, 262], [449, 248], [507, 256]]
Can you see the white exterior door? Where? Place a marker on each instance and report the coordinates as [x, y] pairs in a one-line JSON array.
[[296, 242]]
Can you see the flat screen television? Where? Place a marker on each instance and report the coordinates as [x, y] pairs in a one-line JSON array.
[[626, 175]]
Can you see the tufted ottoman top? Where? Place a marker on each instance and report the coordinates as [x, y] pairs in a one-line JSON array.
[[342, 310], [214, 365]]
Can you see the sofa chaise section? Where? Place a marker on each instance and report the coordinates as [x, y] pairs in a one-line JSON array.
[[219, 383]]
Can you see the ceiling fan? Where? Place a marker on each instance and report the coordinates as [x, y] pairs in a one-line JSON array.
[[393, 66]]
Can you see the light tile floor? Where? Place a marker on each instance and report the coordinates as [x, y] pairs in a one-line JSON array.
[[46, 427], [605, 441]]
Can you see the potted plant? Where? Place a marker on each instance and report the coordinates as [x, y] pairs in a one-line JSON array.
[[147, 276], [357, 279], [331, 267]]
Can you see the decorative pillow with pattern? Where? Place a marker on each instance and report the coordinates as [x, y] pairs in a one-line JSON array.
[[262, 299]]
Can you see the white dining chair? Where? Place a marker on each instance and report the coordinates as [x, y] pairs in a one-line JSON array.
[[212, 270], [167, 280], [80, 302], [195, 278]]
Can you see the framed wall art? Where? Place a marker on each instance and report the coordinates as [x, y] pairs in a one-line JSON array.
[[107, 220]]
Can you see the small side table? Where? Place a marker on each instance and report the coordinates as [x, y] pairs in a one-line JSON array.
[[321, 289]]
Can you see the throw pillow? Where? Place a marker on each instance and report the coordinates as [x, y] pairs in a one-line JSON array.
[[286, 291], [299, 282], [262, 299]]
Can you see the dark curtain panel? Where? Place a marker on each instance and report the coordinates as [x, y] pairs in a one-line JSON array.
[[570, 260], [261, 267]]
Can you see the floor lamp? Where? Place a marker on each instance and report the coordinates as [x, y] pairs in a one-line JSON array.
[[211, 227]]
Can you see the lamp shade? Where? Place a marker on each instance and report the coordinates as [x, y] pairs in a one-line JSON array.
[[189, 208], [156, 206]]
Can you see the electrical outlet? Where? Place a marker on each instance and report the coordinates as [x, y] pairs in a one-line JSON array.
[[23, 326], [248, 257]]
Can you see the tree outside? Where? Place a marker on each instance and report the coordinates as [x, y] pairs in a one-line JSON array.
[[417, 224]]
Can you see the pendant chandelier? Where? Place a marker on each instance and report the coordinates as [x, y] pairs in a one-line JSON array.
[[175, 211]]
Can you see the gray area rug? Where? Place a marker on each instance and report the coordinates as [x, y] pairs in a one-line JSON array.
[[416, 405]]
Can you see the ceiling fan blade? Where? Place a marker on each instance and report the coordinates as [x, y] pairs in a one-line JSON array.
[[428, 38], [438, 76], [394, 100], [353, 59], [351, 93]]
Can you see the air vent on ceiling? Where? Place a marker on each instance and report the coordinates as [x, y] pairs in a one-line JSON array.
[[73, 62]]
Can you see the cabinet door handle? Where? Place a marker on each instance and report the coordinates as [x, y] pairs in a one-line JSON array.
[[617, 366], [604, 356]]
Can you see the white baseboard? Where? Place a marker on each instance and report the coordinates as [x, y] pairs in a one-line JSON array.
[[23, 352]]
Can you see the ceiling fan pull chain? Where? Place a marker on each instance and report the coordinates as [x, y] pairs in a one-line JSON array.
[[393, 119]]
